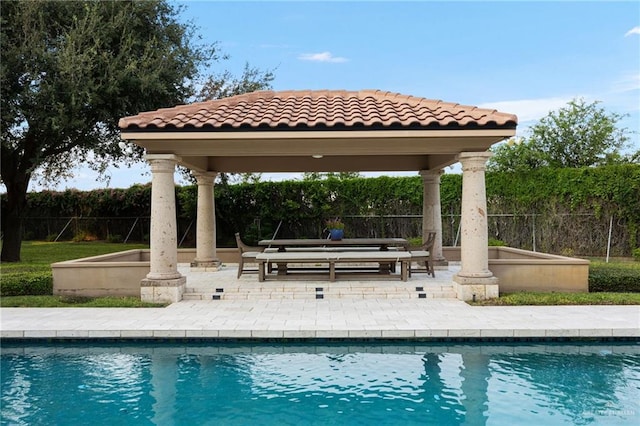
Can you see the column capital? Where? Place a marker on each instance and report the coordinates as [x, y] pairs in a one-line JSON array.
[[205, 178], [432, 176], [474, 161], [429, 172], [162, 163]]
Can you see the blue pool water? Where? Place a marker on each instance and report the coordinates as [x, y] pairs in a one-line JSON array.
[[342, 384]]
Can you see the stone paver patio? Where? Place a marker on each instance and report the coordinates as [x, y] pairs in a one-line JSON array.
[[332, 317]]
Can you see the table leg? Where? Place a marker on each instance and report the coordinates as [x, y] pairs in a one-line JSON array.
[[282, 269], [385, 268], [261, 271], [403, 270], [332, 271]]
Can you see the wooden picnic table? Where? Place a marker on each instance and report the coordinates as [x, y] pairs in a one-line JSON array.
[[332, 258], [310, 245]]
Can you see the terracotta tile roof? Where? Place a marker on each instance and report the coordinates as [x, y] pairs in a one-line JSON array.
[[318, 110]]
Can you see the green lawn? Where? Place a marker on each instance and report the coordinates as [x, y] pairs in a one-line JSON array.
[[77, 302], [37, 256], [530, 298]]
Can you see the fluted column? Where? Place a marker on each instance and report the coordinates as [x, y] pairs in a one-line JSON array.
[[474, 278], [206, 224], [431, 210], [163, 282]]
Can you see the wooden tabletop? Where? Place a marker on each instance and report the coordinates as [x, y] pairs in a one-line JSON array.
[[319, 242]]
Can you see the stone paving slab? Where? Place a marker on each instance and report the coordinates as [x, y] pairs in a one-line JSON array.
[[338, 318]]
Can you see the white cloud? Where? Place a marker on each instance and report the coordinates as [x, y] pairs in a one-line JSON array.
[[529, 109], [627, 83], [634, 30], [321, 57]]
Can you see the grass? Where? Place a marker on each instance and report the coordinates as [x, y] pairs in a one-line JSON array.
[[542, 299], [37, 256], [75, 302]]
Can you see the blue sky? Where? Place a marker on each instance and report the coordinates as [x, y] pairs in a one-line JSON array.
[[526, 58]]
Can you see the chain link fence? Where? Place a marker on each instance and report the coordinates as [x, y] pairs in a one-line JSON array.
[[584, 234]]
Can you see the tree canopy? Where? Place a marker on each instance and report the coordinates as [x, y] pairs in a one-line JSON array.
[[579, 135], [69, 70]]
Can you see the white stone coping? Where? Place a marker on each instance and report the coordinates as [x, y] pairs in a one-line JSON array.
[[328, 318]]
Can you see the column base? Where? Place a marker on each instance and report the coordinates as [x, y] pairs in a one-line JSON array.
[[475, 288], [211, 265], [162, 291]]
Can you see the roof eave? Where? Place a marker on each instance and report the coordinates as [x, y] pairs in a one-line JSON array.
[[350, 134]]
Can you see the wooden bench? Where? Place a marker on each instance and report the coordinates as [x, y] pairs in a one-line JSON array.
[[332, 258]]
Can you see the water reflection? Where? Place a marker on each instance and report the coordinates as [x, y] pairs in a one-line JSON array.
[[296, 384]]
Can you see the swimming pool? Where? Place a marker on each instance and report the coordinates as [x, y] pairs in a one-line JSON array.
[[295, 384]]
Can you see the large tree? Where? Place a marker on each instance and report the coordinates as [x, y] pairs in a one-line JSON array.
[[580, 134], [71, 69]]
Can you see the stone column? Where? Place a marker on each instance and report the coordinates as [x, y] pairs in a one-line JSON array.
[[206, 259], [163, 283], [474, 279], [431, 211]]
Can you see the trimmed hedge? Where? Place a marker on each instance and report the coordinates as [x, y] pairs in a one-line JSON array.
[[614, 278], [558, 210], [26, 283]]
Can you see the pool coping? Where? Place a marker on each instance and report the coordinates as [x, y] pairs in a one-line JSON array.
[[300, 320]]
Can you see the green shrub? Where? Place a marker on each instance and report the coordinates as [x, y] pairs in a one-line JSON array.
[[115, 239], [636, 254], [496, 243], [619, 278], [26, 283], [82, 236], [415, 241]]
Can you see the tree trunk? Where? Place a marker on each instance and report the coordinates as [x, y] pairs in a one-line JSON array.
[[12, 217]]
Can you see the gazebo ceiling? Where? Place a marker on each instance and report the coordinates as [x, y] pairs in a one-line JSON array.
[[295, 131]]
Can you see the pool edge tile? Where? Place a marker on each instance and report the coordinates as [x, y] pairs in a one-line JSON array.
[[432, 333], [332, 334], [562, 332], [463, 332], [365, 334], [169, 333], [399, 334], [104, 334], [136, 334], [488, 332], [530, 332], [11, 334], [202, 333], [596, 332], [72, 333], [267, 334], [300, 334], [234, 334], [625, 332]]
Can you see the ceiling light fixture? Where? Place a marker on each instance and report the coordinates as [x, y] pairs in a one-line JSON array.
[[317, 155]]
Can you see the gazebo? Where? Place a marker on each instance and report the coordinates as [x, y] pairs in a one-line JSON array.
[[323, 130]]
